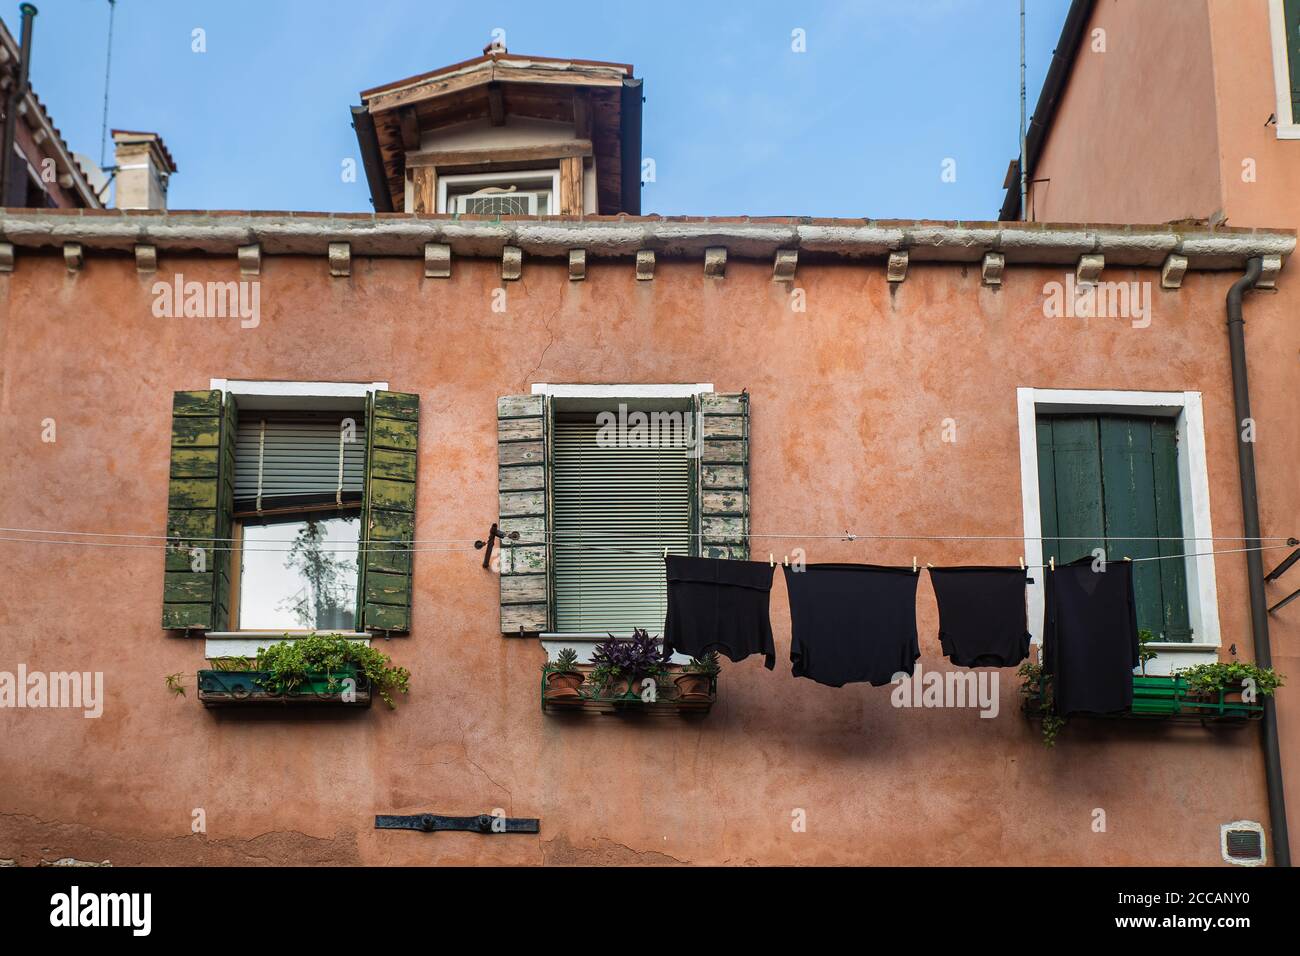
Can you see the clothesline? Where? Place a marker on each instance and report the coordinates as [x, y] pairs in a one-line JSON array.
[[391, 547], [658, 535]]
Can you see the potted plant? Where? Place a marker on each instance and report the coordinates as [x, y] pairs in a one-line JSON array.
[[562, 676], [1145, 653], [621, 664], [695, 682], [1221, 679]]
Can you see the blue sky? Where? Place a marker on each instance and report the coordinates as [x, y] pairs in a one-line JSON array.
[[737, 122]]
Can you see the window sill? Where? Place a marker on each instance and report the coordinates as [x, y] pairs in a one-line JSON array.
[[1171, 656], [246, 643]]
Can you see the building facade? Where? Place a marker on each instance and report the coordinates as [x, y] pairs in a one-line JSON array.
[[231, 430]]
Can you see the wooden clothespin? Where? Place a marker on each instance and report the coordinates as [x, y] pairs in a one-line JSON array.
[[1051, 562], [771, 560], [928, 564], [1022, 562], [914, 571], [665, 554], [786, 561]]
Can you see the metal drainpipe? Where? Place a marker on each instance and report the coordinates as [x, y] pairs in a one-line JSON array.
[[1254, 559], [15, 100]]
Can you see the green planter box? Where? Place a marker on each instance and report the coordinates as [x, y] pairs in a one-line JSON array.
[[1170, 698], [241, 688]]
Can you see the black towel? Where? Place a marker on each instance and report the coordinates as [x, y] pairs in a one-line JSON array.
[[982, 621], [717, 605], [852, 623], [1090, 639]]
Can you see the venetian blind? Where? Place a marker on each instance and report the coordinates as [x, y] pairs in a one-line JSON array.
[[291, 458], [615, 509]]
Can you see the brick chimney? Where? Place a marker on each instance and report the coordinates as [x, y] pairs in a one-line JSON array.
[[144, 167]]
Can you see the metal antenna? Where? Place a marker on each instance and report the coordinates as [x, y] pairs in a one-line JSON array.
[[108, 66]]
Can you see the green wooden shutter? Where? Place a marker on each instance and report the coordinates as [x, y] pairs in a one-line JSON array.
[[1112, 480], [388, 523], [523, 442], [200, 502], [723, 482], [1291, 16], [615, 508], [1069, 469]]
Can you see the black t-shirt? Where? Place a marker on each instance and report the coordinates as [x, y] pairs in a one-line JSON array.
[[982, 620], [852, 623], [1090, 640], [717, 605]]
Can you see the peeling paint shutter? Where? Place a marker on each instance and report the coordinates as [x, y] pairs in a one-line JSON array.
[[523, 500], [392, 435], [724, 475], [200, 507]]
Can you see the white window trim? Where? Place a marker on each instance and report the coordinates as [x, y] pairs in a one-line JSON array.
[[621, 391], [311, 390], [551, 177], [553, 641], [1287, 127], [1193, 491], [246, 643]]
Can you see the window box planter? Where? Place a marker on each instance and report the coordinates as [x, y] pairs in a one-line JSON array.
[[622, 697], [221, 688], [1171, 698]]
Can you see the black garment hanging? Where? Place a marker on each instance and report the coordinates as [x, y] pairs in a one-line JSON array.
[[717, 605], [852, 623], [1090, 637], [982, 621]]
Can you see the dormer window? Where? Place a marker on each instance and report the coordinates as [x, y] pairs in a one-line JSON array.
[[517, 193]]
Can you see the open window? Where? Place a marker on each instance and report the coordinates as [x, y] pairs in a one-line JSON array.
[[291, 508], [299, 483]]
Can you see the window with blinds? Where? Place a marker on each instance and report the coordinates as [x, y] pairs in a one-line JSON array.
[[616, 508], [290, 459]]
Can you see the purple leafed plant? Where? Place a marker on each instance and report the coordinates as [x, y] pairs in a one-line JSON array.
[[632, 658]]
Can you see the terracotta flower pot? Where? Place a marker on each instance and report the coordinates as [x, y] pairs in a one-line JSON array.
[[563, 685], [693, 686]]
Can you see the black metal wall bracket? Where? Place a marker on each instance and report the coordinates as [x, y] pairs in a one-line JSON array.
[[483, 823], [494, 534]]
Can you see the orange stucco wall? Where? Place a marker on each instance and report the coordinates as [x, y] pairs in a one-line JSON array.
[[848, 406]]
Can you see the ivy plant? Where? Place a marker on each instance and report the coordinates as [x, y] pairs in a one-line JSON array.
[[1212, 678], [288, 663]]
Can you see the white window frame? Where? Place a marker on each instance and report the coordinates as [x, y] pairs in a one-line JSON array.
[[1287, 125], [270, 394], [584, 644], [548, 178], [1193, 493]]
